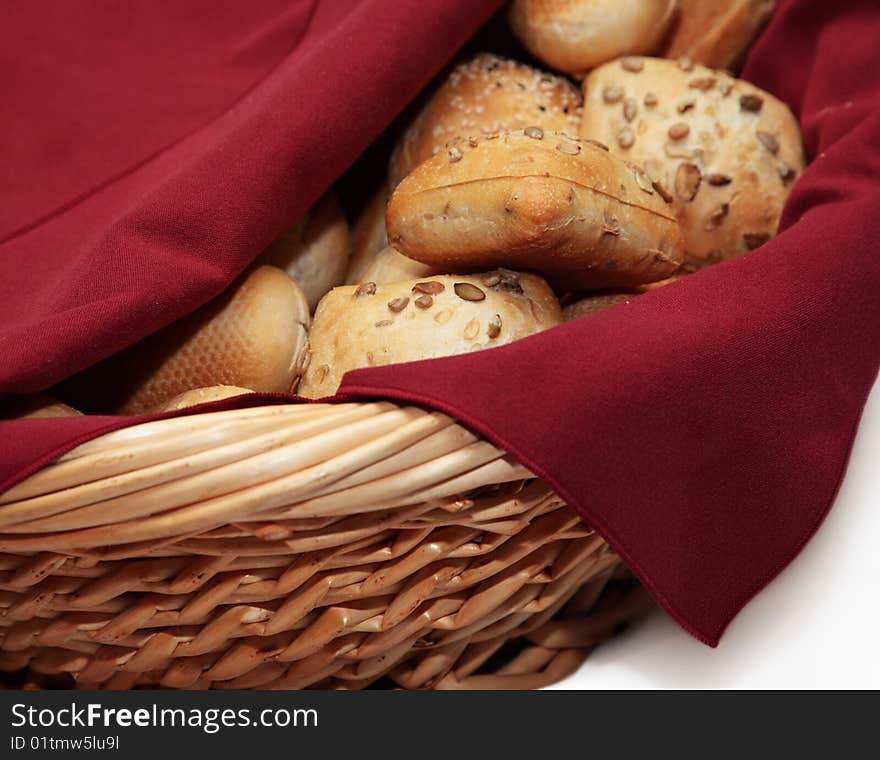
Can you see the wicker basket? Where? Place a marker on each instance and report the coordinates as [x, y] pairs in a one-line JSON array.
[[294, 546]]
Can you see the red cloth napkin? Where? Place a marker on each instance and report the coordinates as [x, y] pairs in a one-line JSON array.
[[703, 428]]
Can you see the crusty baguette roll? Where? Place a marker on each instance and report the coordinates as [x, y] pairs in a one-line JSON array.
[[392, 266], [368, 236], [201, 396], [577, 35], [717, 33], [252, 336], [588, 305], [313, 250], [725, 151], [484, 96], [536, 200], [35, 406], [376, 324]]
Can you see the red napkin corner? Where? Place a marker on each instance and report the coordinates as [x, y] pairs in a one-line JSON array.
[[703, 428]]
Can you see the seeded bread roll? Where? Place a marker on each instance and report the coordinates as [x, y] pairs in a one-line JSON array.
[[484, 96], [252, 336], [201, 396], [723, 150], [35, 406], [577, 35], [717, 33], [313, 250], [372, 325], [541, 201], [368, 236], [392, 266]]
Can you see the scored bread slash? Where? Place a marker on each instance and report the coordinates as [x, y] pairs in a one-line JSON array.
[[527, 203]]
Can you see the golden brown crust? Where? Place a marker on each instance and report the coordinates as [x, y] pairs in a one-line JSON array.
[[577, 35], [201, 396], [379, 324], [314, 250], [368, 236], [588, 305], [392, 266], [717, 33], [35, 406], [486, 95], [253, 336], [725, 151], [565, 208]]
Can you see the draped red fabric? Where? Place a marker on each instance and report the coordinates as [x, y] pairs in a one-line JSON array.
[[702, 428]]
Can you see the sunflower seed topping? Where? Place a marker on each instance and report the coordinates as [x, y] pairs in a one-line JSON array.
[[569, 148], [703, 83], [454, 154], [536, 133], [662, 191], [713, 221], [718, 180], [650, 100], [612, 94], [432, 288], [679, 131], [398, 304], [643, 181], [384, 322], [685, 106], [634, 65], [468, 291], [685, 63], [630, 109], [752, 103], [424, 302], [768, 141], [687, 181], [626, 138], [365, 289], [494, 329]]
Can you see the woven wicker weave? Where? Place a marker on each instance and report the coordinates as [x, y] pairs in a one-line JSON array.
[[293, 546]]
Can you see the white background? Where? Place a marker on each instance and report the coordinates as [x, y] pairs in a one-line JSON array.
[[817, 625]]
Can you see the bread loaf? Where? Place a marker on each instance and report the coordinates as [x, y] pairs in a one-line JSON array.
[[577, 35], [313, 250], [536, 200], [392, 266], [717, 33], [487, 95], [254, 336], [725, 152], [377, 324], [368, 236]]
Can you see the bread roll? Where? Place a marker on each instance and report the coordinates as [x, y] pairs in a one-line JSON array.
[[392, 266], [35, 406], [252, 336], [577, 35], [201, 396], [725, 151], [717, 33], [377, 324], [313, 250], [368, 236], [536, 200], [584, 307], [486, 95]]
